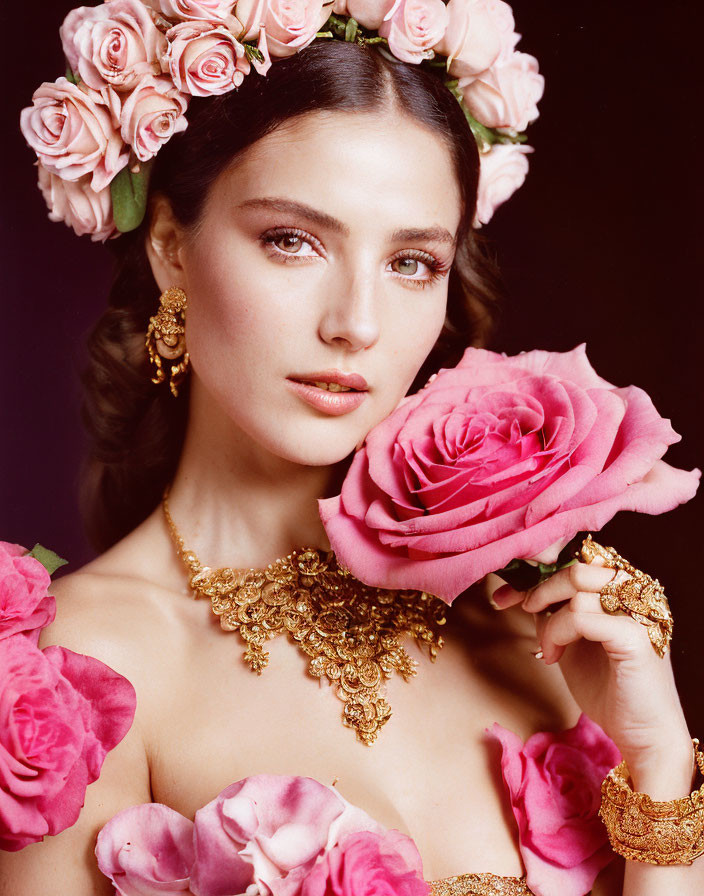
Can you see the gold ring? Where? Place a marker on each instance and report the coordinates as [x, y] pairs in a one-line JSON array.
[[640, 596]]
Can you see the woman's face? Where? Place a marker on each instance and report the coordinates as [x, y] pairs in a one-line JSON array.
[[320, 266]]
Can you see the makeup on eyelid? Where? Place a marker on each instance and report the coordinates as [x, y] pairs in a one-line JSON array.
[[436, 268]]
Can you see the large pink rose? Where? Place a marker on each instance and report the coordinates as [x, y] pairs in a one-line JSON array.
[[507, 94], [369, 864], [25, 605], [498, 458], [72, 132], [151, 114], [78, 205], [554, 782], [502, 171], [147, 850], [208, 10], [414, 27], [60, 714], [269, 829], [205, 59], [112, 44], [290, 24], [478, 32]]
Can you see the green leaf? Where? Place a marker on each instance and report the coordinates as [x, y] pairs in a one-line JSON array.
[[351, 30], [129, 196], [48, 559], [523, 576], [70, 76], [253, 53]]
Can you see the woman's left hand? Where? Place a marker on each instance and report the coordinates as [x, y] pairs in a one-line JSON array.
[[613, 672]]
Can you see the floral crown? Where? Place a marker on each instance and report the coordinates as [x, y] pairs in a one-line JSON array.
[[132, 66]]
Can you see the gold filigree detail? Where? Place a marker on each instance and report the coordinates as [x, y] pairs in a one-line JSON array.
[[640, 596], [658, 833], [349, 630], [480, 885]]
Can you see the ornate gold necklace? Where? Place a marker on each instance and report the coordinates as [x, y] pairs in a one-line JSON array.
[[349, 630]]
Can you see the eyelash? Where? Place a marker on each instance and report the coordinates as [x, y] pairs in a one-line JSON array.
[[436, 268]]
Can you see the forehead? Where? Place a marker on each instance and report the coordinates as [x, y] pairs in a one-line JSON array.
[[381, 166]]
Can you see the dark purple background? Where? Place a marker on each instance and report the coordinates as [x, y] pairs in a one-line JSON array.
[[602, 244]]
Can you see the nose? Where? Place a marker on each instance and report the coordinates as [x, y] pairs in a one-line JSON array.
[[350, 317]]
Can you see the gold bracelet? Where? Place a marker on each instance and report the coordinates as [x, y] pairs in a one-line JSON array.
[[659, 833]]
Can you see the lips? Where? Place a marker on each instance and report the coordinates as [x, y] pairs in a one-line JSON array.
[[330, 391], [333, 381]]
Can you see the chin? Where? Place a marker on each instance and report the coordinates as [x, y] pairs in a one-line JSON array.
[[313, 453]]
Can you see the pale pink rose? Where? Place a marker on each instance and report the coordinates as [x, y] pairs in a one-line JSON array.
[[112, 44], [208, 10], [498, 458], [502, 171], [147, 850], [478, 32], [270, 830], [78, 205], [369, 864], [507, 94], [151, 115], [290, 24], [554, 782], [71, 130], [25, 605], [204, 59], [60, 714], [369, 13], [414, 27]]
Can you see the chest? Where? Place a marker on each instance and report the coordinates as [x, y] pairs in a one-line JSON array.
[[432, 772]]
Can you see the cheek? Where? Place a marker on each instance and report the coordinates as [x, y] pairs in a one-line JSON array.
[[412, 335], [231, 320]]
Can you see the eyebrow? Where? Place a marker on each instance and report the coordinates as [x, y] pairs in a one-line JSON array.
[[434, 234]]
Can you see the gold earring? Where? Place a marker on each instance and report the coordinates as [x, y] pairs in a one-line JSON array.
[[166, 338]]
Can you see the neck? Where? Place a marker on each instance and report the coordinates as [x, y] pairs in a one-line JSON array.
[[235, 504]]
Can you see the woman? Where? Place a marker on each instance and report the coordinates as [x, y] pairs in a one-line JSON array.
[[294, 279]]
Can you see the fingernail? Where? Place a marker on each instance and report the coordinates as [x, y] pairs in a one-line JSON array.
[[538, 654]]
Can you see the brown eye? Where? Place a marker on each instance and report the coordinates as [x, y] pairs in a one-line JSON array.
[[407, 266], [289, 243]]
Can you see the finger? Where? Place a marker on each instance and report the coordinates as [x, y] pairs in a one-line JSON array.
[[506, 596], [620, 635], [563, 585], [582, 602]]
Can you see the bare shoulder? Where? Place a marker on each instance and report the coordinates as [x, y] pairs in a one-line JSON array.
[[120, 607]]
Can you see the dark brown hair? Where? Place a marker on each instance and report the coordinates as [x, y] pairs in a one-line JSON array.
[[136, 428]]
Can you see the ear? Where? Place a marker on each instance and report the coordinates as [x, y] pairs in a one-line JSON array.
[[164, 242]]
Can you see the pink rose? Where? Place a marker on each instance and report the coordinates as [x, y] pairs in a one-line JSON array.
[[290, 24], [72, 132], [369, 13], [112, 44], [60, 714], [78, 205], [554, 782], [25, 605], [478, 32], [414, 27], [151, 115], [147, 850], [502, 171], [269, 829], [507, 94], [369, 864], [208, 10], [498, 458], [204, 59]]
